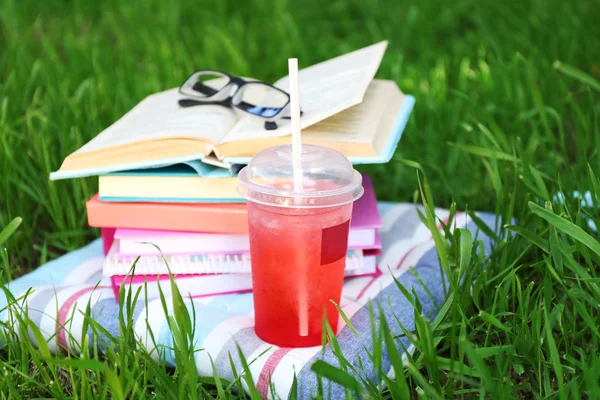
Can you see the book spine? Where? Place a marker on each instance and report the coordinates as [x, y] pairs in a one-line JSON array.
[[202, 264], [165, 216]]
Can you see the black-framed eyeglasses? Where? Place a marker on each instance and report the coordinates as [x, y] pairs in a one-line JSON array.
[[254, 97]]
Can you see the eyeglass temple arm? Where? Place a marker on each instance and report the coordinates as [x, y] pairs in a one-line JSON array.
[[189, 103], [192, 103]]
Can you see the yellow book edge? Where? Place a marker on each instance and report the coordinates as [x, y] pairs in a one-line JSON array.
[[184, 187]]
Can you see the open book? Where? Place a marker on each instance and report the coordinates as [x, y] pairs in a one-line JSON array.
[[343, 108]]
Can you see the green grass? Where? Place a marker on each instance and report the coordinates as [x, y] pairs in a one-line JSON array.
[[507, 115]]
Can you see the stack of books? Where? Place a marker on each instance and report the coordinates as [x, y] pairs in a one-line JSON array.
[[206, 257], [167, 203]]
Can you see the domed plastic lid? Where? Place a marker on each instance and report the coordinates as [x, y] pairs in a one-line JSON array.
[[328, 178]]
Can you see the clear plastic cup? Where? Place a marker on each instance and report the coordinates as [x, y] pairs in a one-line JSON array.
[[298, 240]]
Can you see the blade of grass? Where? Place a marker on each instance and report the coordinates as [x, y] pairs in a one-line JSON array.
[[566, 227]]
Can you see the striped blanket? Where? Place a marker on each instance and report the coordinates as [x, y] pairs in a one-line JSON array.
[[224, 322]]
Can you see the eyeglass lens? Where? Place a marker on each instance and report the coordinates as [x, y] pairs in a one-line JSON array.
[[260, 99], [207, 84]]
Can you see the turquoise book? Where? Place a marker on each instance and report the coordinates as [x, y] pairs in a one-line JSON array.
[[187, 182]]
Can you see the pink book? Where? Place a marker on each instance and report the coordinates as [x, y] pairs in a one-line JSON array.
[[365, 213], [108, 236], [358, 262], [142, 242]]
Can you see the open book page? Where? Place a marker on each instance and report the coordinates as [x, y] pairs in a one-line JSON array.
[[362, 131], [358, 123], [159, 116], [325, 89], [386, 128]]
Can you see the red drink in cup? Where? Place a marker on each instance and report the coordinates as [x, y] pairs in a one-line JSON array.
[[298, 240], [290, 249]]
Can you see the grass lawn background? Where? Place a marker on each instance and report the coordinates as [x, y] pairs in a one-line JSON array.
[[507, 115]]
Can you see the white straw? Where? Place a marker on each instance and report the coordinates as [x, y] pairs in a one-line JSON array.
[[296, 155], [295, 114]]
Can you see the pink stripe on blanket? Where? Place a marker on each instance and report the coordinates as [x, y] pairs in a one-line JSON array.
[[265, 374], [368, 285], [64, 311], [405, 256]]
